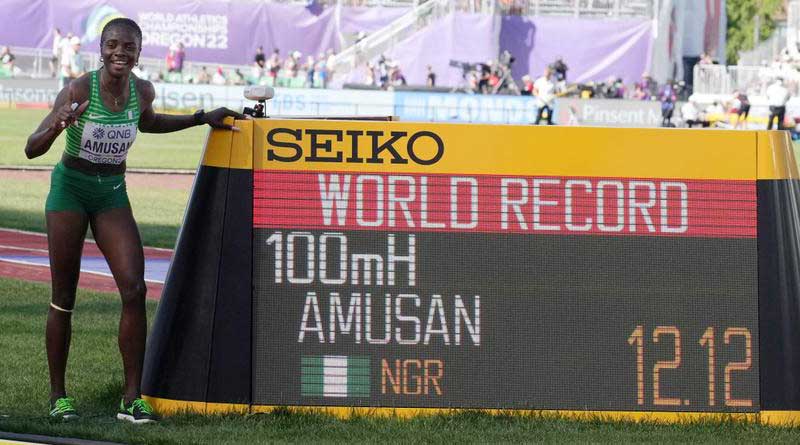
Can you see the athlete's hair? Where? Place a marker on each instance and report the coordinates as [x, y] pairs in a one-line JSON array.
[[124, 22]]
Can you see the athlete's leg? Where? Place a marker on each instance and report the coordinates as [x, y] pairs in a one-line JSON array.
[[66, 231], [118, 238]]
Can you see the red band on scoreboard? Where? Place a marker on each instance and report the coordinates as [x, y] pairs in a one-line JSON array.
[[504, 204]]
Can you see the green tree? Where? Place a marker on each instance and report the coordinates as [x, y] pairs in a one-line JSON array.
[[741, 24]]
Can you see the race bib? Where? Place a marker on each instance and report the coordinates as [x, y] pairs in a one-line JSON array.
[[107, 143]]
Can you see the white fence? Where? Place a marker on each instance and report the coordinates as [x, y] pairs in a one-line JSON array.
[[754, 80]]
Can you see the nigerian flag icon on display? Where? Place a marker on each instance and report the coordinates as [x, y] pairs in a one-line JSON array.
[[334, 376]]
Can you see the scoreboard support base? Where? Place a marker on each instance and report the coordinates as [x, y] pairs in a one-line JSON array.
[[773, 418]]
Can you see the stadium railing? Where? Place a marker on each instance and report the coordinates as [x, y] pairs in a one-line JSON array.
[[577, 8], [754, 80]]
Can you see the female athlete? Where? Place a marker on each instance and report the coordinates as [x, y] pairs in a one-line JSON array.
[[101, 112]]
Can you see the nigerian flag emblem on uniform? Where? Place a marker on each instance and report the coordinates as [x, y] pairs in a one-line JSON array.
[[334, 376]]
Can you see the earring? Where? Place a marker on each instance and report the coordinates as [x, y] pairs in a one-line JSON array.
[[101, 60]]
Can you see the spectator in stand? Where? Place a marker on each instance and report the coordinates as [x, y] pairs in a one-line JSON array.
[[430, 78], [527, 86], [494, 79], [383, 71], [544, 89], [72, 65], [330, 65], [7, 60], [238, 77], [172, 59], [219, 77], [396, 77], [321, 71], [77, 63], [369, 76], [560, 68], [180, 56], [649, 86], [65, 63], [259, 64], [614, 88], [705, 59], [638, 93], [57, 37], [309, 67], [66, 48], [260, 59], [274, 64], [777, 97], [204, 77], [292, 63], [741, 106], [667, 97], [483, 76]]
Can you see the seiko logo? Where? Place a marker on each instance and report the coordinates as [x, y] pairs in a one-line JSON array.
[[354, 146]]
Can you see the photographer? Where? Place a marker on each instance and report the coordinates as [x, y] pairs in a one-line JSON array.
[[505, 81]]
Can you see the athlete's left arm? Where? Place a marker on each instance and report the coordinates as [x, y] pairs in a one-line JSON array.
[[152, 122]]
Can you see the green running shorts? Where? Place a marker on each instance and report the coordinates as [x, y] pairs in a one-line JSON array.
[[73, 190]]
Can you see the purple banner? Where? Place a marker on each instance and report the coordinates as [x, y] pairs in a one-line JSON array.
[[211, 31], [593, 49], [458, 36], [226, 32], [367, 19]]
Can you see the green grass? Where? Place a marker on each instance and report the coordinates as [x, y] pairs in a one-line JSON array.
[[94, 377], [179, 150], [158, 211]]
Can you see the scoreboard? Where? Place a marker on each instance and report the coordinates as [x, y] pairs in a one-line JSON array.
[[396, 266]]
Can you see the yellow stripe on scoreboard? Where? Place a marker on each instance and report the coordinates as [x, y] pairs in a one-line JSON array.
[[363, 146], [505, 150]]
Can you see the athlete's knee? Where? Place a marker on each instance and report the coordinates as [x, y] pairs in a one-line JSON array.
[[133, 292], [64, 299]]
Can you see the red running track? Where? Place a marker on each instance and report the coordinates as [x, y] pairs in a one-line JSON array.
[[16, 242]]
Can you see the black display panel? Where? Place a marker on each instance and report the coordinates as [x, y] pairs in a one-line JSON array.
[[512, 321]]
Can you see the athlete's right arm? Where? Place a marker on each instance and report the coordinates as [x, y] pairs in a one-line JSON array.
[[63, 114]]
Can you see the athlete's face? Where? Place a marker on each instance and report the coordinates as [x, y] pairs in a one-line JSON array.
[[120, 50]]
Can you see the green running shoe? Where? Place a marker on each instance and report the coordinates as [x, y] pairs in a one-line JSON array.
[[138, 411], [64, 409]]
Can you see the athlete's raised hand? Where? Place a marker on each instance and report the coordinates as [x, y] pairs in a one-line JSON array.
[[68, 113]]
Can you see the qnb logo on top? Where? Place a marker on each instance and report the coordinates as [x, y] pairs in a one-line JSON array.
[[107, 144], [354, 146]]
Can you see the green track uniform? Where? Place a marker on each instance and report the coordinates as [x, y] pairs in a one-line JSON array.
[[101, 137]]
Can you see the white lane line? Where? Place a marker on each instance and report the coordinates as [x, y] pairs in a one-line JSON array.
[[26, 249], [31, 263], [44, 235]]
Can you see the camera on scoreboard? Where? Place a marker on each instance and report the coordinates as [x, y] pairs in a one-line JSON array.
[[259, 93]]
